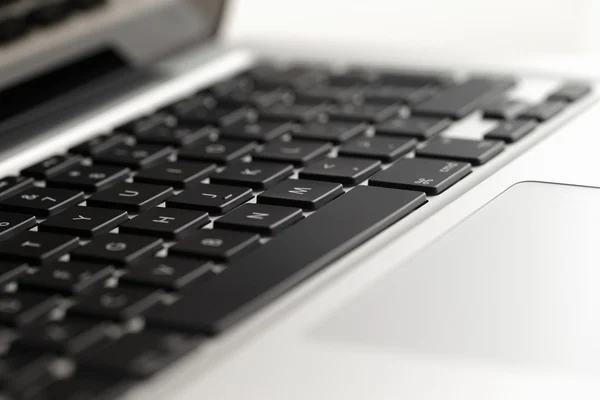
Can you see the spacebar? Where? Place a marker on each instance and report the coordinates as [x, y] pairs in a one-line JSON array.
[[286, 260]]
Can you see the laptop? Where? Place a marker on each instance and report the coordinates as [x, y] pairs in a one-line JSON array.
[[182, 219]]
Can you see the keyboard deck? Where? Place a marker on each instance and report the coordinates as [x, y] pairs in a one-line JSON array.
[[129, 250]]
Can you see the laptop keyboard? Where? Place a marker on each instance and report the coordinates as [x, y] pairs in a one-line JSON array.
[[129, 250]]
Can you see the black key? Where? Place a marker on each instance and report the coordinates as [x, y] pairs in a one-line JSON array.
[[422, 174], [221, 151], [146, 123], [167, 273], [214, 199], [386, 149], [476, 152], [331, 131], [297, 111], [84, 221], [570, 92], [138, 156], [390, 93], [413, 78], [177, 174], [89, 178], [216, 244], [65, 278], [10, 271], [421, 128], [37, 247], [460, 100], [260, 218], [98, 144], [258, 175], [363, 112], [297, 152], [175, 136], [120, 303], [294, 76], [13, 28], [511, 131], [140, 355], [345, 170], [134, 197], [51, 167], [301, 193], [48, 14], [504, 108], [117, 249], [261, 131], [42, 202], [25, 308], [288, 259], [220, 116], [14, 184], [239, 91], [167, 223], [88, 385], [544, 111], [337, 94], [12, 223], [26, 373]]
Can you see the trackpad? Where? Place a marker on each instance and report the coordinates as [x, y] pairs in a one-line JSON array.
[[517, 283]]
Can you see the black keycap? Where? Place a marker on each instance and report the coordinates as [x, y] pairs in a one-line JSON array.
[[48, 14], [10, 271], [25, 308], [391, 93], [294, 76], [233, 96], [117, 249], [167, 223], [422, 174], [297, 152], [120, 303], [140, 355], [42, 202], [98, 144], [570, 92], [460, 100], [258, 175], [370, 112], [220, 116], [288, 259], [413, 78], [89, 178], [298, 111], [65, 278], [476, 152], [221, 151], [14, 184], [13, 28], [544, 111], [138, 156], [336, 94], [386, 149], [25, 373], [421, 128], [216, 244], [260, 218], [88, 385], [167, 273], [511, 131], [504, 108], [331, 131], [12, 223], [37, 247], [345, 170], [261, 131], [84, 221], [177, 174], [214, 199], [301, 193], [51, 166], [148, 122], [175, 136], [134, 197]]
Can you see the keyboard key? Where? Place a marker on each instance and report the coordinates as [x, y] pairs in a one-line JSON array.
[[422, 174], [386, 149], [421, 128], [219, 116], [84, 221], [117, 249], [504, 108], [88, 385], [216, 244], [301, 193], [42, 202], [282, 263], [335, 94], [66, 278], [390, 93], [214, 199], [174, 136], [12, 223], [222, 151], [26, 373], [258, 175], [89, 178], [98, 144], [14, 184], [299, 111], [413, 78], [261, 131], [476, 152], [48, 14], [167, 273], [297, 152], [295, 76], [51, 166], [37, 247], [138, 156], [11, 271], [511, 131], [177, 174], [25, 308], [345, 170], [120, 303], [368, 112], [260, 218], [133, 197], [148, 122], [544, 111], [570, 92], [167, 223], [331, 131]]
